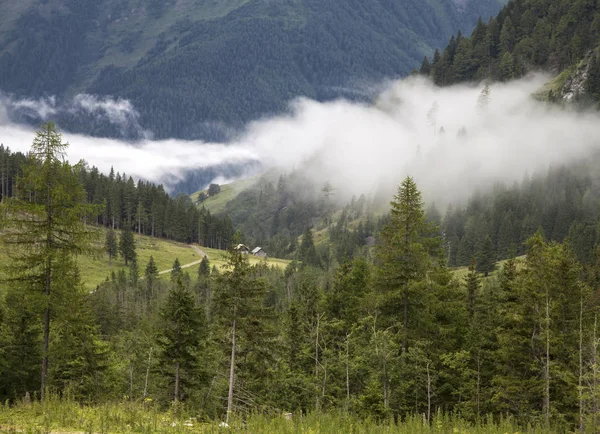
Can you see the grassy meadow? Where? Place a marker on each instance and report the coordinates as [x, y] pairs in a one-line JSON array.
[[56, 415], [216, 204], [95, 270]]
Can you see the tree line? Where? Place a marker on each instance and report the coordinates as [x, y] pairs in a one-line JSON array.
[[142, 207]]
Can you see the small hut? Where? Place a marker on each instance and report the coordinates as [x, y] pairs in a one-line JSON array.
[[243, 249], [259, 252]]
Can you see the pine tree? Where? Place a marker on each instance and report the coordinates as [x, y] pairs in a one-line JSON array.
[[151, 275], [472, 283], [486, 262], [44, 225], [408, 250], [181, 340], [307, 252], [238, 302], [175, 270], [111, 245], [127, 245], [204, 268]]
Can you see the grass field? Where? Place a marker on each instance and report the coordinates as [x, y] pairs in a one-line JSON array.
[[63, 416], [461, 272], [216, 204], [95, 270]]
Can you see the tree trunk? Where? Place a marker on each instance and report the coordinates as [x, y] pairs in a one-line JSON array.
[[46, 330], [131, 380], [176, 397], [428, 395], [595, 374], [580, 362], [147, 373], [386, 395], [347, 373], [547, 370], [317, 359], [231, 370]]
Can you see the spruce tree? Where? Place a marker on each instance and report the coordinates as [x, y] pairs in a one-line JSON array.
[[111, 245], [151, 275], [238, 305], [307, 252], [175, 270], [486, 261], [407, 251], [181, 340], [204, 268], [127, 245]]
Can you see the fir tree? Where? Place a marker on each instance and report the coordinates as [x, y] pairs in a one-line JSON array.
[[406, 253], [486, 262], [111, 245], [204, 268], [181, 340], [151, 275], [175, 270], [307, 252], [127, 245]]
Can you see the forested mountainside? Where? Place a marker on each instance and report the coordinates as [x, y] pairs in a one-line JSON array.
[[560, 36], [191, 67]]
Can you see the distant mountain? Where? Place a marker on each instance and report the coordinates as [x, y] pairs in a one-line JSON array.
[[193, 67]]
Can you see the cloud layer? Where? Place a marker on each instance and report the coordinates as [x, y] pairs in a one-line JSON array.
[[449, 139]]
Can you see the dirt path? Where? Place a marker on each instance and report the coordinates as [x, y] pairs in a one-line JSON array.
[[191, 264]]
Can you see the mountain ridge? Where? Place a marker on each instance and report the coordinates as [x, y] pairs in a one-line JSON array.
[[189, 64]]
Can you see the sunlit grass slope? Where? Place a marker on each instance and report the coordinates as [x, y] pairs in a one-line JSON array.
[[95, 270]]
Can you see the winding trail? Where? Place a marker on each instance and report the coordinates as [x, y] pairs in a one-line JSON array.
[[191, 264]]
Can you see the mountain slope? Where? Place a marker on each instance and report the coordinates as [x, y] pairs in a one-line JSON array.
[[559, 36], [191, 65]]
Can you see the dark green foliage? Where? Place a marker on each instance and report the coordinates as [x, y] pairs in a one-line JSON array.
[[563, 202], [307, 253], [176, 270], [127, 246], [527, 35], [486, 259], [151, 275], [44, 228], [204, 268], [181, 341], [214, 189], [111, 245]]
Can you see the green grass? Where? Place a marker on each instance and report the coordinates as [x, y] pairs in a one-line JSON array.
[[217, 258], [95, 270], [216, 204], [56, 415], [461, 272]]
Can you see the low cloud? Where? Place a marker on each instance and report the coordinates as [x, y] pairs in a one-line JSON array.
[[450, 139]]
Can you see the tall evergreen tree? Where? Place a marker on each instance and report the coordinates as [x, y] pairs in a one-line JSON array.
[[127, 245], [181, 340], [44, 225], [111, 245], [307, 252], [408, 250]]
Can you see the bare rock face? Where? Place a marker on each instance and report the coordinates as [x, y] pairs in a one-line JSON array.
[[575, 83]]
